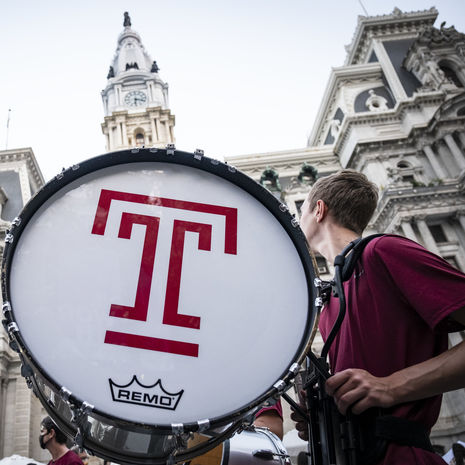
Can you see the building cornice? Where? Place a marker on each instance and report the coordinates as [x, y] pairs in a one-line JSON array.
[[271, 158], [25, 154]]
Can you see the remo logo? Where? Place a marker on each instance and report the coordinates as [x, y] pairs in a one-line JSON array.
[[172, 315]]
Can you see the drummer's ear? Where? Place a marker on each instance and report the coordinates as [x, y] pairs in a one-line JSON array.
[[321, 209]]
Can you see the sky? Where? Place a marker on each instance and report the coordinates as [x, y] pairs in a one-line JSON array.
[[245, 76]]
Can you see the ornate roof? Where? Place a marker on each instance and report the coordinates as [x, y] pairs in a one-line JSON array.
[[130, 55], [398, 22]]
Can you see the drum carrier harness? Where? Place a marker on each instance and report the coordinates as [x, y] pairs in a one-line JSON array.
[[362, 439]]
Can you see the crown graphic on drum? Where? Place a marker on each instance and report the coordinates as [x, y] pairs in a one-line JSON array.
[[149, 396]]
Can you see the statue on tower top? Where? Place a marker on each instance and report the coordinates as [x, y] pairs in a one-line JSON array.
[[127, 20]]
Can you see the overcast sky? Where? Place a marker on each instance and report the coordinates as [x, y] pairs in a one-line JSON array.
[[245, 76]]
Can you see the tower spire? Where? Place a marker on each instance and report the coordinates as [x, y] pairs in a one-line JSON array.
[[135, 99]]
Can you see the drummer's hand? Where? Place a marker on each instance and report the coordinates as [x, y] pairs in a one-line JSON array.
[[359, 390], [300, 424]]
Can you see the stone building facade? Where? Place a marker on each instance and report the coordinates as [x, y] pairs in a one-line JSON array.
[[395, 111], [20, 411]]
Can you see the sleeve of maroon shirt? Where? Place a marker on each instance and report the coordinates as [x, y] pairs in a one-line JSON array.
[[430, 284], [276, 407]]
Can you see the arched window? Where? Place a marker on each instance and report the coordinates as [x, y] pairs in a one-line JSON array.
[[140, 140], [450, 74]]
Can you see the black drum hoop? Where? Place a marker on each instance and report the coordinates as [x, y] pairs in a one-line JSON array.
[[169, 155]]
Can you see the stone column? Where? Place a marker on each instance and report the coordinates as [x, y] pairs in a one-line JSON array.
[[154, 130], [433, 159], [125, 134], [408, 231], [462, 138], [456, 152], [160, 137], [428, 239], [119, 134], [461, 217], [112, 137]]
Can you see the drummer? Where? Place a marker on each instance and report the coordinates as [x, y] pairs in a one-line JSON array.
[[392, 348]]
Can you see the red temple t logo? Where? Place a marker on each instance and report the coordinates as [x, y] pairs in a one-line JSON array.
[[171, 313]]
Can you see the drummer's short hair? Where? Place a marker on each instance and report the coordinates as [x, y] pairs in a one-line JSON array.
[[351, 198], [49, 424]]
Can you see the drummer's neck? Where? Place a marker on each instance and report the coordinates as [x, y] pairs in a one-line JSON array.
[[57, 450], [332, 240]]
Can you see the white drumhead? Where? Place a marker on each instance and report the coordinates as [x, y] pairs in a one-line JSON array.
[[242, 305]]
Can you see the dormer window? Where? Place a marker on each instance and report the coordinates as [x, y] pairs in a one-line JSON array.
[[403, 165], [132, 66]]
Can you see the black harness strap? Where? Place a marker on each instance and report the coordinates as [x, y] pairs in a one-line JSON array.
[[353, 257], [402, 431]]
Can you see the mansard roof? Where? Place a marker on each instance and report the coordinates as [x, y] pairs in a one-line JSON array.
[[396, 23]]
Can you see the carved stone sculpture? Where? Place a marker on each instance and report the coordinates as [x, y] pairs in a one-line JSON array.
[[376, 102]]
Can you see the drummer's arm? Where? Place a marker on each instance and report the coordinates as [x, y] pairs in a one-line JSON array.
[[270, 419], [360, 390]]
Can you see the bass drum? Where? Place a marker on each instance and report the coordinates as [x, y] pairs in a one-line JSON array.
[[154, 295]]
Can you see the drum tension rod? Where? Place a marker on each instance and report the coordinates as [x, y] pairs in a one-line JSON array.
[[296, 406]]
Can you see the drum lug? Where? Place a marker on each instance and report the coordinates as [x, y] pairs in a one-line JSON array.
[[170, 148], [198, 154], [12, 328], [16, 221], [135, 150], [14, 346], [232, 169], [280, 386], [204, 425], [283, 207], [177, 428], [6, 309], [75, 167], [9, 238], [294, 368], [26, 371], [65, 394], [79, 418], [61, 174]]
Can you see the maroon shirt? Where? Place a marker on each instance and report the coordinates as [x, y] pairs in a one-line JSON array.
[[277, 407], [398, 299], [70, 458]]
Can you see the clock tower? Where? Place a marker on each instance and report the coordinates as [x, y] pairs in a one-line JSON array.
[[135, 100]]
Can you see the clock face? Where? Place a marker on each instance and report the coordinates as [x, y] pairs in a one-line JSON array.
[[136, 98]]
